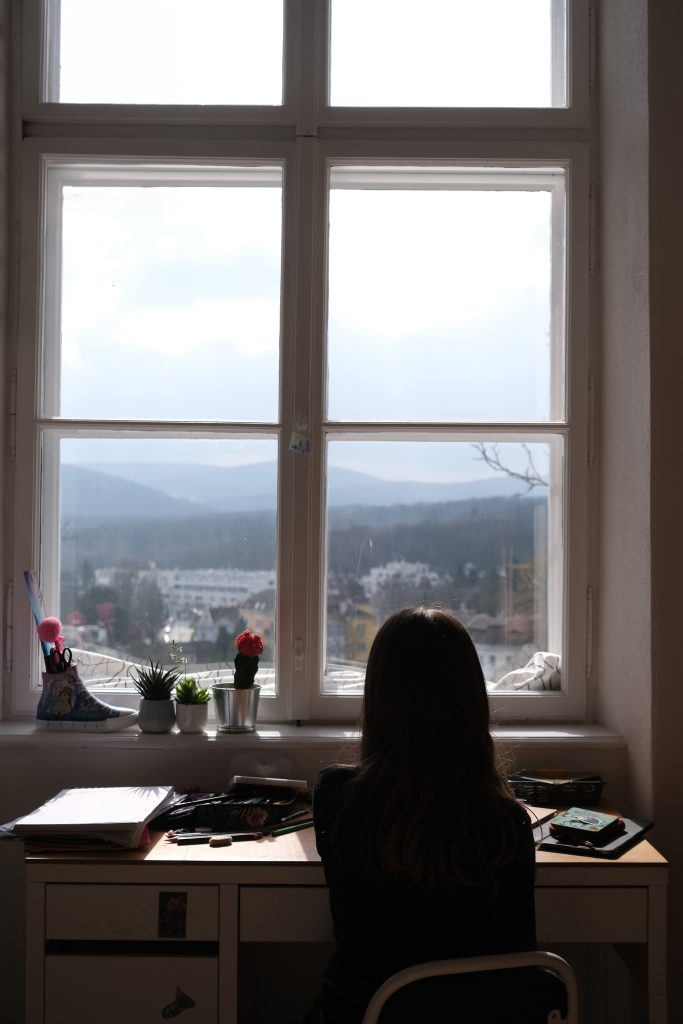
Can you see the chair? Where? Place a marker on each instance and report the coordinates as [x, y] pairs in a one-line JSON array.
[[467, 965]]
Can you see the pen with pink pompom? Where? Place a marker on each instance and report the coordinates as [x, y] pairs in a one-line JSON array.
[[46, 634]]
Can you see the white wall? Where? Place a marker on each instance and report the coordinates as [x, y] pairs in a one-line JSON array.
[[666, 374], [623, 663], [641, 545], [4, 262]]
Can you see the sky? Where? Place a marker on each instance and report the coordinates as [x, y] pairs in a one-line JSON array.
[[438, 301]]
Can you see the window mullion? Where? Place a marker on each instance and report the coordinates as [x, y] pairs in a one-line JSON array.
[[301, 516], [308, 68]]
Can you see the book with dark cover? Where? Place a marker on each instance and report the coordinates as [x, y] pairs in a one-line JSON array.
[[634, 830]]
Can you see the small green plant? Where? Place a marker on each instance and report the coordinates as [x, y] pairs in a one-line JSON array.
[[154, 682], [188, 691]]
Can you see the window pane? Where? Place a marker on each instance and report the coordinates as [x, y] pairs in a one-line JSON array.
[[441, 303], [170, 302], [447, 53], [173, 52], [467, 526], [166, 540]]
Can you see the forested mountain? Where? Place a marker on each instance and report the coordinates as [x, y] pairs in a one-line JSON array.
[[445, 535]]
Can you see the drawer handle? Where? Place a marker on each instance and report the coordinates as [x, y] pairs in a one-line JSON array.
[[181, 1002]]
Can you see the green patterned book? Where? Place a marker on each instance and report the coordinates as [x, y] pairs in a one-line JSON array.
[[581, 825]]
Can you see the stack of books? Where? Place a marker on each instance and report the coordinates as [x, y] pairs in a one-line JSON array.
[[93, 818]]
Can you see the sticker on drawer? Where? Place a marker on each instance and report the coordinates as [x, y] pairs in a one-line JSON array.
[[172, 922]]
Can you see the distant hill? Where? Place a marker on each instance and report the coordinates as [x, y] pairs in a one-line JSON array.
[[445, 535], [88, 494], [170, 491]]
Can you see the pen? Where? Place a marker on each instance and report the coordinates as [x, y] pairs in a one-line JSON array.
[[291, 828], [173, 836]]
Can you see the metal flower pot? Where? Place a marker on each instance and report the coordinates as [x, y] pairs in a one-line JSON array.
[[236, 709]]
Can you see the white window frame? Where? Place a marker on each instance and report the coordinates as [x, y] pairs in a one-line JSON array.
[[306, 82], [569, 703], [306, 136]]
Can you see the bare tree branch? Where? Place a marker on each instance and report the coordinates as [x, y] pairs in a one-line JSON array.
[[530, 476]]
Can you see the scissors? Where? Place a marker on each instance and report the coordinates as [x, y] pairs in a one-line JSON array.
[[59, 660]]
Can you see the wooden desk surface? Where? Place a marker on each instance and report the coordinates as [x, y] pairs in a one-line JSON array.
[[299, 848]]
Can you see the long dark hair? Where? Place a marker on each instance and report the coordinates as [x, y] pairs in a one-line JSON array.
[[428, 801]]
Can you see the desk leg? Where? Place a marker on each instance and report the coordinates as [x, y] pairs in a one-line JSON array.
[[656, 954], [35, 953], [227, 955]]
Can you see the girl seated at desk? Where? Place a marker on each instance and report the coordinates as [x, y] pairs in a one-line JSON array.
[[426, 853]]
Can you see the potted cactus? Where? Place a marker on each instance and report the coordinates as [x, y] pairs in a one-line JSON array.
[[192, 705], [237, 702], [155, 684]]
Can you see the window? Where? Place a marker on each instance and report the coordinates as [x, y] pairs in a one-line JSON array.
[[240, 44], [304, 339]]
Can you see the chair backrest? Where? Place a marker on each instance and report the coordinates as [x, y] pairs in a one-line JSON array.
[[469, 965]]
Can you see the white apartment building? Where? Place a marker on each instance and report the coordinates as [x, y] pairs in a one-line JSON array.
[[412, 573], [190, 590]]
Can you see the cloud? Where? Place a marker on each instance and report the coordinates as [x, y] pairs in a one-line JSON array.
[[410, 262]]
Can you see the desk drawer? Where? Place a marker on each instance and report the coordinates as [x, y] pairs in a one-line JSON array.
[[591, 914], [285, 914], [131, 912], [302, 914], [130, 989]]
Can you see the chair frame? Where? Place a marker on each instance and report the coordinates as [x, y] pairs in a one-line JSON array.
[[470, 965]]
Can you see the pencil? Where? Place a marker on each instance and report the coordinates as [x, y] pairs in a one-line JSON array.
[[291, 828], [296, 814]]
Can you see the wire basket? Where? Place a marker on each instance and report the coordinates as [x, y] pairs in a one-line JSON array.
[[554, 787]]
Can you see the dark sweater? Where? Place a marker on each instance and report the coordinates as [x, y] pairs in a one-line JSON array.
[[383, 925]]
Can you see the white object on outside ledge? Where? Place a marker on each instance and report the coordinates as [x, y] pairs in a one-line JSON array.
[[541, 672]]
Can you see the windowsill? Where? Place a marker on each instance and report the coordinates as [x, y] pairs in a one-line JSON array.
[[24, 734]]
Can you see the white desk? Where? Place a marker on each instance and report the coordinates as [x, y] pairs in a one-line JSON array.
[[93, 917]]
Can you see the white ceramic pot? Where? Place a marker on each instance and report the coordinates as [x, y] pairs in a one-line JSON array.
[[191, 717], [156, 715]]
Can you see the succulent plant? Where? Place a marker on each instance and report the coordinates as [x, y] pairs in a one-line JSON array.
[[154, 682], [188, 691]]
